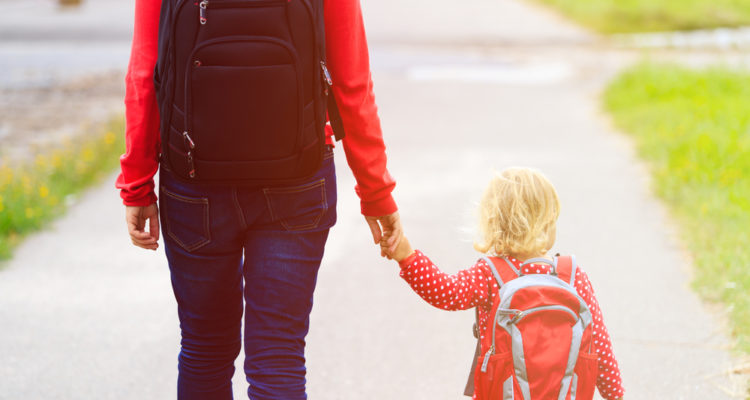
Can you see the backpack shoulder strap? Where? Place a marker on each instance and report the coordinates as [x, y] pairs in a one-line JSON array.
[[502, 275], [566, 268], [510, 274], [334, 116]]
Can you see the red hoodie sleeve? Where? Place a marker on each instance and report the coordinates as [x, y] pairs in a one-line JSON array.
[[468, 288], [141, 159], [349, 64]]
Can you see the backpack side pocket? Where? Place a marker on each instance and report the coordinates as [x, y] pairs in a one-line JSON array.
[[496, 383], [586, 372]]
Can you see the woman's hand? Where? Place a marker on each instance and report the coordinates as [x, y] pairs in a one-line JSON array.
[[136, 218], [385, 228]]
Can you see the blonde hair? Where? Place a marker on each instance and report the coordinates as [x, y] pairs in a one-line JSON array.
[[518, 214]]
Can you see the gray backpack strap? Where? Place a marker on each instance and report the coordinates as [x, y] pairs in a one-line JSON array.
[[573, 267], [494, 270], [469, 389], [512, 267]]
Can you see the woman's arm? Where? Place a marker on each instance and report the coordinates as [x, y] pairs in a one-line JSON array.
[[142, 142], [349, 64], [141, 159]]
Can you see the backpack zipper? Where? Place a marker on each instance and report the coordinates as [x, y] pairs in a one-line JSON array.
[[486, 361], [203, 5], [521, 314]]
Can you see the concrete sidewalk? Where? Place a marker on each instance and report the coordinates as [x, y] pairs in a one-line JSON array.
[[462, 90]]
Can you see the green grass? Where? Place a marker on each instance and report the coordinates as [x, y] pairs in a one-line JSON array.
[[34, 192], [624, 16], [693, 128]]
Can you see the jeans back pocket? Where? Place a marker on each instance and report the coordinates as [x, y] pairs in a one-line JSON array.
[[185, 219], [297, 208]]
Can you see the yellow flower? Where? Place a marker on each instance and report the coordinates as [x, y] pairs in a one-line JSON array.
[[80, 167], [109, 137], [29, 213], [43, 191], [2, 206], [6, 175], [87, 154], [26, 184], [57, 159], [41, 162]]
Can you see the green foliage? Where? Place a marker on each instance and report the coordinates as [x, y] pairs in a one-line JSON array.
[[33, 192], [621, 16], [693, 127]]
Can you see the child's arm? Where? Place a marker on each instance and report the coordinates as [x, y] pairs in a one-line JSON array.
[[466, 289], [609, 381], [402, 252]]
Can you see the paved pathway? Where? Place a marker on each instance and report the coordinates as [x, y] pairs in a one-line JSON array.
[[85, 315]]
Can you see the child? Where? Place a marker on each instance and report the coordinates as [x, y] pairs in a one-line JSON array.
[[518, 215]]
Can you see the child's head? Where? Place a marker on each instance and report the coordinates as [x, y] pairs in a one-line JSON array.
[[518, 214]]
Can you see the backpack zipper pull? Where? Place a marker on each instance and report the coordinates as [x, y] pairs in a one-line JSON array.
[[326, 76], [487, 358], [517, 317], [203, 5], [326, 73], [191, 164], [190, 146], [188, 140]]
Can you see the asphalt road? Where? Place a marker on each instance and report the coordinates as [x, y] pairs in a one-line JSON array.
[[462, 90]]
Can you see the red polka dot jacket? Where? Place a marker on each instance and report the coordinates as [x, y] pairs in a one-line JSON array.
[[476, 287]]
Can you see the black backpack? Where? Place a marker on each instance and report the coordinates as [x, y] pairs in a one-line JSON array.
[[243, 89]]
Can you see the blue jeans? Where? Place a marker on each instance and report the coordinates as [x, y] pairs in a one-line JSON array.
[[264, 244]]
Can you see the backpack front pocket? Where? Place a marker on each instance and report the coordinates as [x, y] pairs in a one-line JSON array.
[[243, 100]]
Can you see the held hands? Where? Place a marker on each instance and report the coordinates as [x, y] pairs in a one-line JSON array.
[[136, 218], [403, 250], [386, 231]]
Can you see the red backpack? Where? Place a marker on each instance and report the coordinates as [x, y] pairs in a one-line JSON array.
[[540, 344]]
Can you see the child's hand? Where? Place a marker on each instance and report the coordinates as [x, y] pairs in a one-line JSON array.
[[403, 250]]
